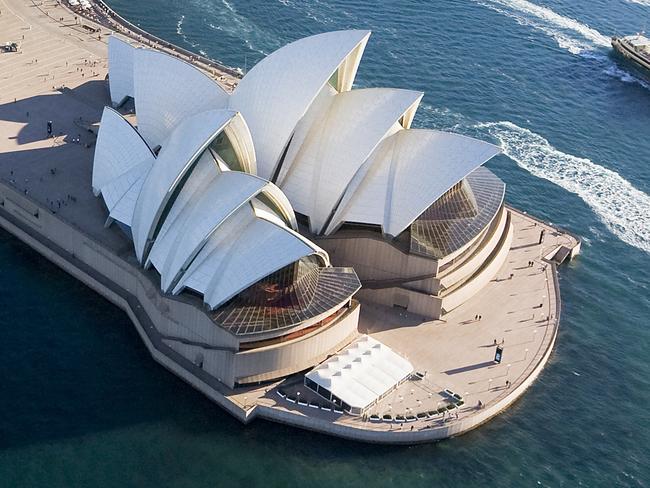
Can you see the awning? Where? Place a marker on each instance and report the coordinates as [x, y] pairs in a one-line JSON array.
[[362, 373]]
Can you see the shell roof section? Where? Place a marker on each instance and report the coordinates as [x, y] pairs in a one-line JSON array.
[[406, 174], [199, 219], [167, 91], [277, 92], [337, 145], [119, 148], [175, 160], [120, 66], [244, 250]]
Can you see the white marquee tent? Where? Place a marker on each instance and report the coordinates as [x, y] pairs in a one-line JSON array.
[[360, 375]]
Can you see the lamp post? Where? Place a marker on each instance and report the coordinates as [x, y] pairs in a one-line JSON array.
[[526, 354], [298, 395], [508, 372], [490, 384]]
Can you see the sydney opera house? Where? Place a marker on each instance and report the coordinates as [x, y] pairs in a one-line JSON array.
[[274, 209]]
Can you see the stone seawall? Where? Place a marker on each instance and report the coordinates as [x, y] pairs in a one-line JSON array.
[[39, 228], [83, 258]]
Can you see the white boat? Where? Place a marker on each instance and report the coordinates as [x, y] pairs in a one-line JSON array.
[[636, 48]]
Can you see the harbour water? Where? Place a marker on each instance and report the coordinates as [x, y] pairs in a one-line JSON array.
[[83, 404]]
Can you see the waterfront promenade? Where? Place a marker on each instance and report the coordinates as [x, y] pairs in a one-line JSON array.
[[59, 75]]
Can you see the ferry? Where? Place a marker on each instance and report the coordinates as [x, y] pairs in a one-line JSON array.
[[636, 48]]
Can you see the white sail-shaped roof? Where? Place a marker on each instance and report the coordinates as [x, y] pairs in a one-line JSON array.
[[167, 91], [122, 211], [245, 249], [121, 194], [120, 67], [117, 187], [278, 91], [407, 173], [337, 146], [203, 174], [193, 135], [263, 248], [119, 148], [313, 118], [189, 232]]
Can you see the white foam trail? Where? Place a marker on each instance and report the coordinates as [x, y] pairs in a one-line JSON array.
[[180, 32], [229, 21], [624, 209], [612, 69], [616, 72], [441, 118], [179, 25], [314, 10], [640, 2], [562, 29]]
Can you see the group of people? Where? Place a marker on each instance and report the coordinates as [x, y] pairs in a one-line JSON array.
[[60, 201]]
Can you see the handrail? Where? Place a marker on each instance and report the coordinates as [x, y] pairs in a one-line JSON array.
[[118, 19]]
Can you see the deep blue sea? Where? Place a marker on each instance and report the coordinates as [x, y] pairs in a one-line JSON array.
[[83, 405]]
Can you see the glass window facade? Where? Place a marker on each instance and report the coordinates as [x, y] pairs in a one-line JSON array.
[[458, 216], [223, 147], [287, 297]]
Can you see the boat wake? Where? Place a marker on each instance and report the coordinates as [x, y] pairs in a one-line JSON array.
[[226, 19], [571, 35], [179, 25], [624, 209], [310, 10], [640, 2], [181, 33], [616, 72]]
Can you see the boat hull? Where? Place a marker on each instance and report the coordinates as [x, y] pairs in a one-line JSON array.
[[627, 52]]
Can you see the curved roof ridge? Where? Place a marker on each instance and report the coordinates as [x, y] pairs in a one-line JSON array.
[[424, 165], [184, 147], [230, 191], [261, 249], [335, 150], [119, 148], [120, 67], [167, 91], [276, 93]]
